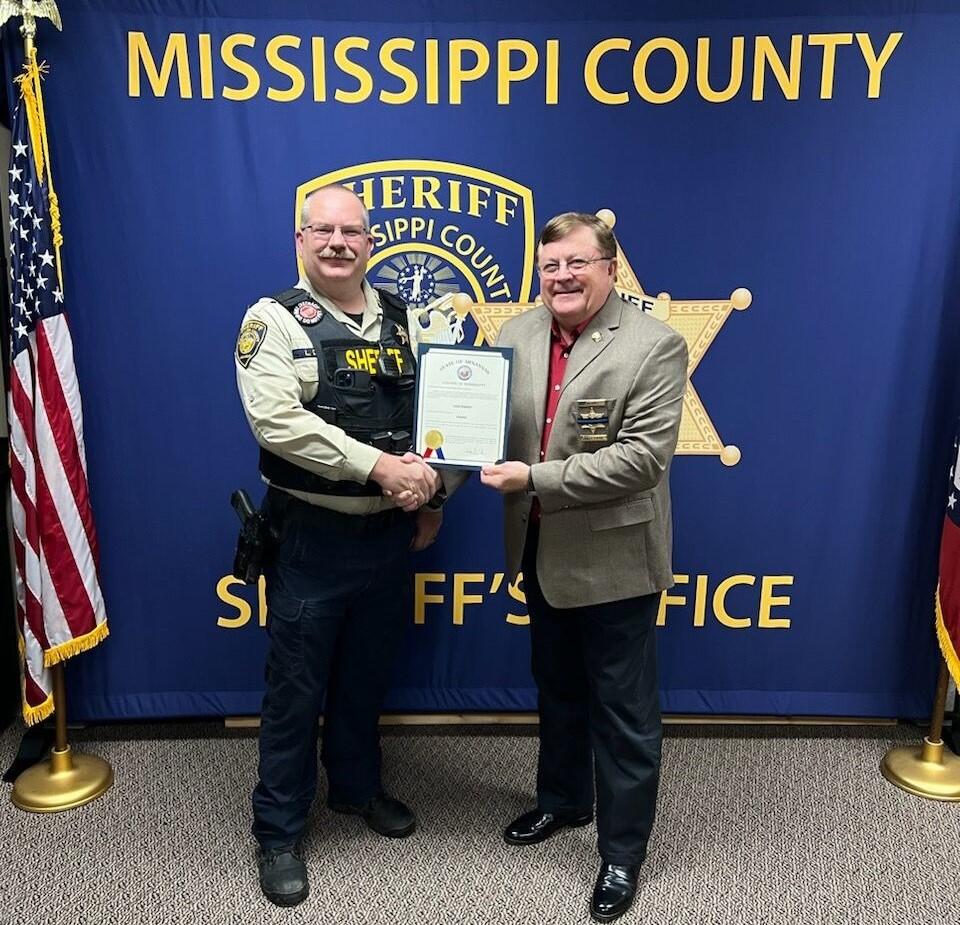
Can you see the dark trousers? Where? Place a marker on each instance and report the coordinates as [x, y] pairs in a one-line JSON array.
[[596, 675], [338, 594]]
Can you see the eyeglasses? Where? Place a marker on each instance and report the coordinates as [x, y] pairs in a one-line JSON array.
[[575, 266], [350, 233]]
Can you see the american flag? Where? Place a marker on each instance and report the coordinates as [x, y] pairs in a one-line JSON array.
[[60, 607], [948, 594]]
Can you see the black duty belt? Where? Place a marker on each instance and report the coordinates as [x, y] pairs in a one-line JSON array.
[[296, 509]]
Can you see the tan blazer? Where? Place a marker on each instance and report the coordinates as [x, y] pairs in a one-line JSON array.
[[606, 531]]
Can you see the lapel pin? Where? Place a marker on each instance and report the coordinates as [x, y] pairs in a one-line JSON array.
[[596, 336]]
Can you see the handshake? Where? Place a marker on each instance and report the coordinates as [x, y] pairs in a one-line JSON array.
[[406, 479]]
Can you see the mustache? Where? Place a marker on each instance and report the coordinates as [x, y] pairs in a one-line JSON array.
[[328, 253]]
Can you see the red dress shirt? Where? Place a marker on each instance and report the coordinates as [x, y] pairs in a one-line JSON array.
[[561, 344]]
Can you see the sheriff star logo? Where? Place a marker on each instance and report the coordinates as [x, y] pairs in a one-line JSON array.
[[698, 321]]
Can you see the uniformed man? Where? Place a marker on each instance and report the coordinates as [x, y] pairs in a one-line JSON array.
[[326, 377]]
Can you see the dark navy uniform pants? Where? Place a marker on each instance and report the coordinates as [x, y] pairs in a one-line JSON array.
[[338, 598], [599, 704]]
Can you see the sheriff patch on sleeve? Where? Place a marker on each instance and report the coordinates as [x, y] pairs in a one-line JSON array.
[[249, 341]]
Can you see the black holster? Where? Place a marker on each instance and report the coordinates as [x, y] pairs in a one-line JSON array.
[[257, 539]]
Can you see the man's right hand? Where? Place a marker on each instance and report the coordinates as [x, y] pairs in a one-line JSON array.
[[407, 479]]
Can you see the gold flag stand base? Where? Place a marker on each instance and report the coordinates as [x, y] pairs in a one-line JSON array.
[[63, 781], [929, 771]]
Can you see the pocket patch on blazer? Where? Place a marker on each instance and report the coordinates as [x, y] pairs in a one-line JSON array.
[[592, 420]]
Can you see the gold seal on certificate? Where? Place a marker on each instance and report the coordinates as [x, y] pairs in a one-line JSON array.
[[463, 405]]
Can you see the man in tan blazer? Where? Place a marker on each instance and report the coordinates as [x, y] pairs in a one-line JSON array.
[[597, 394]]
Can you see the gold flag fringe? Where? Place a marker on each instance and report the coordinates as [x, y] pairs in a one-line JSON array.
[[34, 715], [29, 82], [946, 643], [32, 94], [71, 647], [31, 715]]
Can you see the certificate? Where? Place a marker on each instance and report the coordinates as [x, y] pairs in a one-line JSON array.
[[463, 405]]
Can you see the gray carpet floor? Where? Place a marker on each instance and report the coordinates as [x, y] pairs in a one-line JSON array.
[[755, 825]]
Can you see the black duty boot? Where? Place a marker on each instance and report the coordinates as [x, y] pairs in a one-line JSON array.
[[383, 814], [283, 877]]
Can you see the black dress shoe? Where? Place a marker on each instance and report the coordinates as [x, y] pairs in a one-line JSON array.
[[614, 891], [383, 814], [537, 826], [283, 877]]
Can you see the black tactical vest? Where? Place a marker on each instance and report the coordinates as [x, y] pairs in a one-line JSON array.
[[365, 388]]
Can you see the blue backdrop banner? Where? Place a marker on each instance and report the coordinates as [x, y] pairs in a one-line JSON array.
[[785, 190]]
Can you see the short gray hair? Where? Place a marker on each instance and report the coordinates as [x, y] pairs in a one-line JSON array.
[[305, 208]]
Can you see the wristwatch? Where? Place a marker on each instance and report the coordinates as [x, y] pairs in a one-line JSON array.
[[438, 500]]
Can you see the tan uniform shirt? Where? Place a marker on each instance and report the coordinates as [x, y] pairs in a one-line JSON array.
[[274, 386]]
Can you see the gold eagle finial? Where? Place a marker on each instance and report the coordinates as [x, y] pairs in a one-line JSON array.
[[31, 11]]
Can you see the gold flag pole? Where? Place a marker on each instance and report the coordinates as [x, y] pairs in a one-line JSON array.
[[928, 771], [64, 780]]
